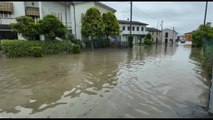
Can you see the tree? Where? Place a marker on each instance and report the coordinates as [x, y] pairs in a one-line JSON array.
[[51, 27], [92, 24], [201, 33], [26, 27], [148, 36], [111, 24], [148, 40], [141, 37]]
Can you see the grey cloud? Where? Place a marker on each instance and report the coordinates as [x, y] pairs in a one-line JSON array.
[[184, 16]]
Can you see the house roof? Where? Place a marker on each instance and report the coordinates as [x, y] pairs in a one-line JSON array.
[[188, 33], [97, 3], [150, 29], [170, 30], [105, 6], [133, 22]]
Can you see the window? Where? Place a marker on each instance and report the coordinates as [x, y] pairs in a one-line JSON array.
[[166, 34], [123, 27], [137, 28], [133, 28], [141, 28], [129, 28], [5, 15]]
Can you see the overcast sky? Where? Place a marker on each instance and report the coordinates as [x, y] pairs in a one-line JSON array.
[[183, 16]]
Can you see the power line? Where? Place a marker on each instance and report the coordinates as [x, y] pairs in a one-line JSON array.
[[145, 13]]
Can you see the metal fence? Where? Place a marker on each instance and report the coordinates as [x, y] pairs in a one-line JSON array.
[[208, 48]]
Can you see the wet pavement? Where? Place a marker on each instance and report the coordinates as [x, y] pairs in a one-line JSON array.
[[146, 81]]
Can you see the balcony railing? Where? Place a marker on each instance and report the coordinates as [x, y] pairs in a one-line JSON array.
[[7, 21]]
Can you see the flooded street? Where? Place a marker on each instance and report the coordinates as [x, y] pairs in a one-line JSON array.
[[146, 81]]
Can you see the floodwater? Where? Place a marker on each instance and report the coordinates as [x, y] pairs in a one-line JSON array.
[[146, 81]]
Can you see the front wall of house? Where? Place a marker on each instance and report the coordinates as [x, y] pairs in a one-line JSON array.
[[171, 35], [135, 33], [32, 4], [57, 9], [19, 9], [81, 9], [126, 31], [155, 36]]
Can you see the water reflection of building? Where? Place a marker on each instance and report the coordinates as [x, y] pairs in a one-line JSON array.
[[154, 51]]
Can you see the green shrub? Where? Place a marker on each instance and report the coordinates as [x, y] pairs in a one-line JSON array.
[[148, 42], [76, 49], [68, 46], [16, 48], [20, 48], [37, 51]]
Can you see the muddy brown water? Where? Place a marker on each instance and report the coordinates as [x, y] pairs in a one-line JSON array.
[[156, 81]]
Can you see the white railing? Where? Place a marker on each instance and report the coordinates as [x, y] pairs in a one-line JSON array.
[[134, 32], [7, 21]]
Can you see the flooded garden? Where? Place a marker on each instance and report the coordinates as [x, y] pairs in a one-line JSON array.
[[145, 81]]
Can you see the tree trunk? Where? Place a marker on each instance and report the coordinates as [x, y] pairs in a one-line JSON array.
[[108, 42], [92, 47]]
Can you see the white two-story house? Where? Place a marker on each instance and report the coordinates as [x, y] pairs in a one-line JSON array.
[[69, 13], [138, 28]]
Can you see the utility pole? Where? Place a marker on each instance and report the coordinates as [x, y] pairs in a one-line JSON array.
[[161, 30], [205, 13], [173, 35], [66, 16], [66, 13], [130, 18]]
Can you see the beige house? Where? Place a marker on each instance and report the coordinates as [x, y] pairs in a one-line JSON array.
[[156, 34]]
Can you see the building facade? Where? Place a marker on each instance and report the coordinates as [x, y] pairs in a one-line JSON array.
[[169, 36], [138, 28], [79, 10], [69, 13], [155, 33], [188, 36]]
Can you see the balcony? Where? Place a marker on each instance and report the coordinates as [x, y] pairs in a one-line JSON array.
[[7, 21], [134, 32]]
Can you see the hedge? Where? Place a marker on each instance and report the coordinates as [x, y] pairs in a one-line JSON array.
[[148, 42], [76, 49], [20, 48], [37, 51]]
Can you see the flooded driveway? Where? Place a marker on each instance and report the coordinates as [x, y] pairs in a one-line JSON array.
[[156, 81]]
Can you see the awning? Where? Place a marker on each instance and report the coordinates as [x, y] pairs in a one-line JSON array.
[[32, 11], [6, 7]]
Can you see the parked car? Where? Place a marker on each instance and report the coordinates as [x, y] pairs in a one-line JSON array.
[[182, 41]]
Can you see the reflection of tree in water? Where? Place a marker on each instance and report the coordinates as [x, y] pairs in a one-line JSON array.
[[203, 65]]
